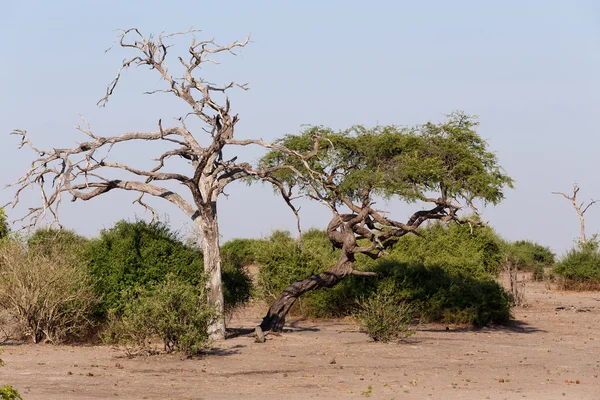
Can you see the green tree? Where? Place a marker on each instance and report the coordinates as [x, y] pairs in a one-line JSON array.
[[443, 166]]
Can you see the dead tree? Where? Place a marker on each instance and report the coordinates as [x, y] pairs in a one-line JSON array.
[[444, 166], [580, 209], [85, 171]]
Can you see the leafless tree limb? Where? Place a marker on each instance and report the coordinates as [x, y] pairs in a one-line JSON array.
[[580, 209]]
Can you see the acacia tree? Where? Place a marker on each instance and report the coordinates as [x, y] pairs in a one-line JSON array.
[[445, 167], [580, 209], [84, 171]]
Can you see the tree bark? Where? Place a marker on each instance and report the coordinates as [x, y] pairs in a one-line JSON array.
[[275, 318], [209, 241]]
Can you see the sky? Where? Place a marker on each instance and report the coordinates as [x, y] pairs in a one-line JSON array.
[[529, 70]]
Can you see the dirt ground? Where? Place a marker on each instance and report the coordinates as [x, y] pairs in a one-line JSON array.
[[551, 351]]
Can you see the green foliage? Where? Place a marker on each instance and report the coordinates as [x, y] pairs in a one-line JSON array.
[[237, 284], [459, 248], [580, 267], [283, 260], [175, 311], [4, 228], [53, 243], [446, 295], [407, 163], [9, 393], [45, 286], [137, 254], [385, 316], [445, 275], [530, 256]]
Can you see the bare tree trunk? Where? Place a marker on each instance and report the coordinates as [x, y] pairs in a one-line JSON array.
[[580, 209], [209, 241], [582, 237]]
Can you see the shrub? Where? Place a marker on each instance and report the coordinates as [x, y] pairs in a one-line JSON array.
[[447, 274], [580, 267], [530, 256], [475, 251], [4, 229], [175, 311], [139, 255], [450, 296], [283, 260], [385, 316], [237, 284], [45, 286]]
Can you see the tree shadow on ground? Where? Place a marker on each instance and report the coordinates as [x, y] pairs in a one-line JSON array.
[[220, 351], [514, 326]]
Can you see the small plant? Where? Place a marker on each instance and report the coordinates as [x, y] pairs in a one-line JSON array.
[[384, 316], [9, 393], [175, 311], [368, 392]]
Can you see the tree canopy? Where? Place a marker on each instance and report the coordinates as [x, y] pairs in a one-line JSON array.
[[404, 162]]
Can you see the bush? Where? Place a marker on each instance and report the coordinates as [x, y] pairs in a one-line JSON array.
[[4, 229], [447, 274], [475, 251], [45, 286], [173, 310], [442, 295], [283, 260], [580, 267], [237, 284], [139, 255], [385, 316], [530, 256]]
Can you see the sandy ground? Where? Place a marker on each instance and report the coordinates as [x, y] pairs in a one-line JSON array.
[[552, 351]]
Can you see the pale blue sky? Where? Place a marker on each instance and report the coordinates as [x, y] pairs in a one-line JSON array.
[[530, 69]]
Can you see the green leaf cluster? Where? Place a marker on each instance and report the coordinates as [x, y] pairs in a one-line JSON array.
[[407, 163]]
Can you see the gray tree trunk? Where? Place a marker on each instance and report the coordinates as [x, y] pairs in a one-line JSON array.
[[209, 241]]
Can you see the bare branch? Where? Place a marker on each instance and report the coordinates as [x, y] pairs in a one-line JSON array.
[[580, 209]]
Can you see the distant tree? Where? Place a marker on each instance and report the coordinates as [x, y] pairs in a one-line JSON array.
[[580, 209], [88, 170], [445, 165]]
